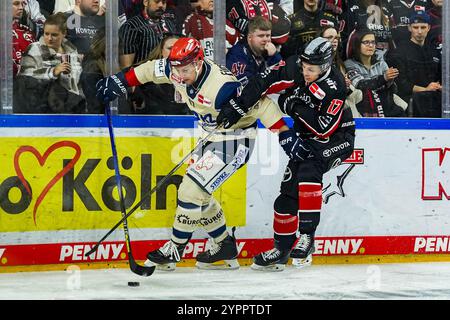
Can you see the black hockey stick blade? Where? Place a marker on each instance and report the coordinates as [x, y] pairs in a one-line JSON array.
[[144, 271]]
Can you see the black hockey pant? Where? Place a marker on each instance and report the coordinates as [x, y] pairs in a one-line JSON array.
[[298, 206]]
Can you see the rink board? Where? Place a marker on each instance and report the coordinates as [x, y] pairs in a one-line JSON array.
[[58, 196]]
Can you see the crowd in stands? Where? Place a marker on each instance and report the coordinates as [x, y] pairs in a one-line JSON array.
[[389, 51]]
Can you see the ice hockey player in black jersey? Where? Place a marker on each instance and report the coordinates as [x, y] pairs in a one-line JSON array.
[[314, 98]]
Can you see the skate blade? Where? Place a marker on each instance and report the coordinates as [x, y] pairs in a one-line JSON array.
[[302, 263], [219, 265], [271, 268], [161, 267]]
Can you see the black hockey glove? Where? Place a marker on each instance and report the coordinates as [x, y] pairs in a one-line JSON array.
[[109, 88], [293, 145], [230, 114], [289, 103]]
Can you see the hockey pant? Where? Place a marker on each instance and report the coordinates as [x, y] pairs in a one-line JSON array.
[[196, 207], [297, 208]]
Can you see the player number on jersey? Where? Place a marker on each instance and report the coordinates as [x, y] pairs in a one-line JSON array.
[[207, 118], [335, 106]]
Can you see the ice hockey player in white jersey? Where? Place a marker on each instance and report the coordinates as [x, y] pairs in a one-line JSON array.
[[206, 87]]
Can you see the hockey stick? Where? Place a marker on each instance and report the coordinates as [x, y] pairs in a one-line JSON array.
[[200, 143], [136, 268]]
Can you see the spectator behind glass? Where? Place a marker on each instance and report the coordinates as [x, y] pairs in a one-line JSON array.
[[240, 12], [369, 73], [354, 96], [435, 35], [200, 24], [305, 24], [180, 10], [142, 33], [22, 36], [399, 12], [83, 22], [132, 7], [332, 35], [48, 81], [420, 69], [64, 5], [33, 17], [255, 53], [367, 14], [152, 98], [69, 5], [94, 69], [47, 7]]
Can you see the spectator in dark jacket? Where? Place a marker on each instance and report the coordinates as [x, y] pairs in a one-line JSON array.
[[83, 22], [94, 70], [435, 35], [420, 69], [152, 98], [142, 33], [255, 53]]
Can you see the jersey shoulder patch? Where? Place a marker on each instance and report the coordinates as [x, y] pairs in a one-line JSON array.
[[317, 91]]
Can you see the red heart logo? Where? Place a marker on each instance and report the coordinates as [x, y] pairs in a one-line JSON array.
[[42, 159]]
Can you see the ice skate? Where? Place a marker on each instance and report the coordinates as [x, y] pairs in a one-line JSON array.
[[166, 257], [302, 253], [222, 255], [271, 260]]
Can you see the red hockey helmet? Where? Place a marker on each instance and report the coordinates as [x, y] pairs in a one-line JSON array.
[[185, 51]]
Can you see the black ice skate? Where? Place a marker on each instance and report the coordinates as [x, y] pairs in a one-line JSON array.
[[271, 260], [302, 253], [220, 255], [166, 257]]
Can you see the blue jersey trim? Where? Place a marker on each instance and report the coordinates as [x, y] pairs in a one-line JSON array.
[[229, 90], [167, 69], [192, 91], [131, 121]]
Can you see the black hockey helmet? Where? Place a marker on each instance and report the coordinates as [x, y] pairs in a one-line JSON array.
[[318, 51]]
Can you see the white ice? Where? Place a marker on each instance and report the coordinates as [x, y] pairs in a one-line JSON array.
[[380, 281]]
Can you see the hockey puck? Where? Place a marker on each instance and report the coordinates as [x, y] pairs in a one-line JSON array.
[[133, 284]]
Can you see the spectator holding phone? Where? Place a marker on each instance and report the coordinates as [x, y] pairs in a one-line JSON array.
[[48, 81]]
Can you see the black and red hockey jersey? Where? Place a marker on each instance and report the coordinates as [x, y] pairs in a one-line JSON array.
[[239, 12], [434, 37], [373, 17], [22, 37], [304, 28], [399, 12], [318, 109]]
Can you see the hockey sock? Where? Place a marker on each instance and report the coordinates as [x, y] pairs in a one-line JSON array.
[[309, 206], [192, 200], [213, 220], [187, 219], [285, 222]]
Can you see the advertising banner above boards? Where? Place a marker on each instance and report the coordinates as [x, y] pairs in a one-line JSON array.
[[58, 193]]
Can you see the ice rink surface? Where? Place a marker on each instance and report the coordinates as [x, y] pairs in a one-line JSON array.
[[329, 282]]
